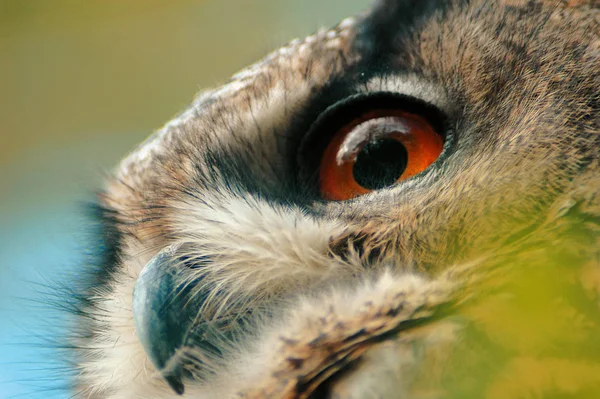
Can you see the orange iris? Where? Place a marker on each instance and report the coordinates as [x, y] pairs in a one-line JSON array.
[[338, 168]]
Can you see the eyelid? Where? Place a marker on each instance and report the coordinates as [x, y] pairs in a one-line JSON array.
[[347, 109], [371, 128]]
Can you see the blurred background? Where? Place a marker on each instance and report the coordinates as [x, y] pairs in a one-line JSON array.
[[81, 83]]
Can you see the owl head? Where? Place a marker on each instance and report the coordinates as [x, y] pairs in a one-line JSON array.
[[383, 209]]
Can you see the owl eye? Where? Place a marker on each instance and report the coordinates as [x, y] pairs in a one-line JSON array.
[[377, 150]]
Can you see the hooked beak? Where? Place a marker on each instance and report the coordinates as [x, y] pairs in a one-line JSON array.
[[164, 314]]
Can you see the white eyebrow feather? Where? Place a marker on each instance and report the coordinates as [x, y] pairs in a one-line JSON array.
[[409, 85]]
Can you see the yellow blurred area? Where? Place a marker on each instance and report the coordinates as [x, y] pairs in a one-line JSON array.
[[528, 333], [540, 334]]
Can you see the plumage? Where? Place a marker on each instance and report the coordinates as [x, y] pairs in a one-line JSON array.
[[477, 277]]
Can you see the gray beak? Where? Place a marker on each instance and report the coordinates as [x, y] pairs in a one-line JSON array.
[[164, 315]]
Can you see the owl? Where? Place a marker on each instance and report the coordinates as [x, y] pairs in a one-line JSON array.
[[406, 205]]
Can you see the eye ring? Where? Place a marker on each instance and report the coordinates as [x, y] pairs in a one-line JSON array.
[[375, 129]]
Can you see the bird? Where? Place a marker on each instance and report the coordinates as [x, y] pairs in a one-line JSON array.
[[406, 205]]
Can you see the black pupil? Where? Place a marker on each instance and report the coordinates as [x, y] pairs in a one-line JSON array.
[[380, 163]]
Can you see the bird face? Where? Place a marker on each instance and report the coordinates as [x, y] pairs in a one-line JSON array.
[[405, 205]]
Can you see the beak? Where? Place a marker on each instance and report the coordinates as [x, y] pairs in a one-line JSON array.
[[164, 314]]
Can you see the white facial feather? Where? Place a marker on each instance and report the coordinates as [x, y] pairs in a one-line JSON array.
[[255, 250]]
